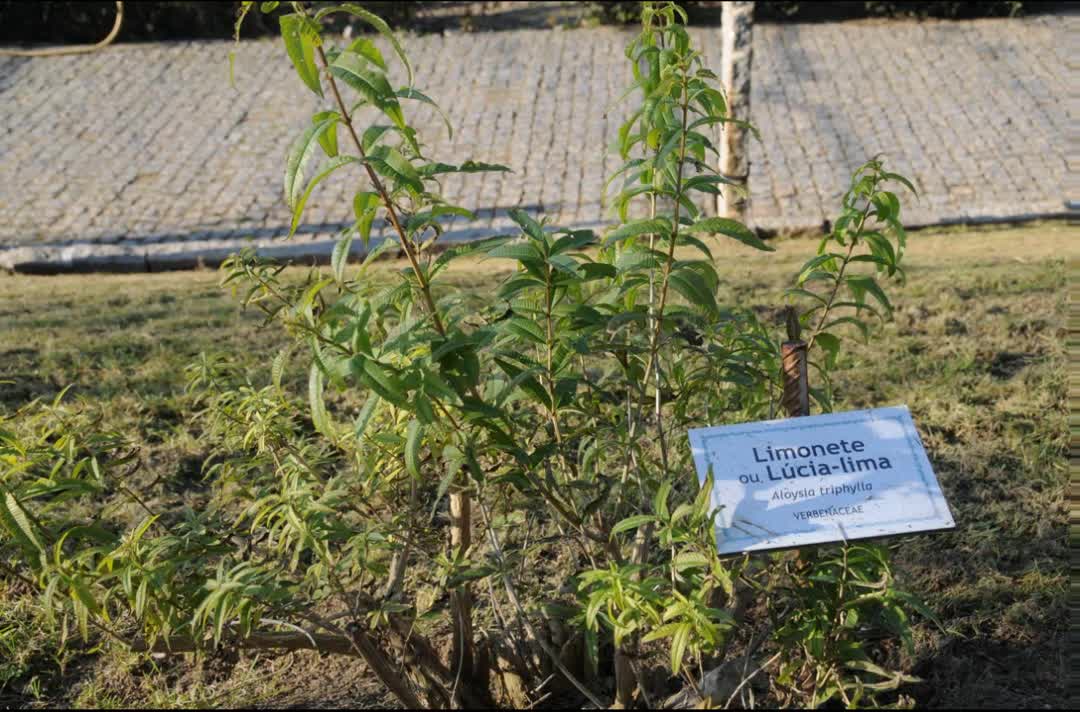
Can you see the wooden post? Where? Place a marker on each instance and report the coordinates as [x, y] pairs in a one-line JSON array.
[[461, 649], [796, 398], [736, 46]]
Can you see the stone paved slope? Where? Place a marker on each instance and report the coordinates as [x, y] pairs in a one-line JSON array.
[[143, 153]]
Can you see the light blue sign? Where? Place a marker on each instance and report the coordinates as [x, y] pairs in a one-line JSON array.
[[821, 478]]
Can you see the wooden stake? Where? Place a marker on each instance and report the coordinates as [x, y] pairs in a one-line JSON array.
[[461, 653], [796, 398]]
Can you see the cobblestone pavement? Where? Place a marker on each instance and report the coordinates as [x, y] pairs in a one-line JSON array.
[[144, 152]]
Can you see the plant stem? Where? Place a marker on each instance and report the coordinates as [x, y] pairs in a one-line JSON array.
[[461, 524], [406, 245], [839, 278], [511, 594]]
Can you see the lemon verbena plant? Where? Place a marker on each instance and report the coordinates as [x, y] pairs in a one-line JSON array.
[[510, 510]]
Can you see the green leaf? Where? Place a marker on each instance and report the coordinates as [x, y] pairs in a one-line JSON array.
[[371, 136], [371, 406], [340, 257], [690, 560], [694, 242], [519, 250], [693, 288], [704, 497], [831, 346], [367, 49], [82, 593], [277, 369], [376, 22], [826, 261], [707, 183], [428, 217], [887, 205], [649, 226], [597, 270], [632, 523], [454, 459], [678, 647], [573, 241], [18, 524], [300, 153], [365, 205], [665, 631], [638, 259], [525, 329], [660, 500], [369, 83], [900, 179], [414, 434], [859, 324], [327, 139], [390, 163], [861, 284], [433, 169], [319, 417], [375, 377], [300, 46], [465, 249], [709, 120], [410, 93], [730, 228], [481, 167], [331, 166], [622, 200], [528, 225]]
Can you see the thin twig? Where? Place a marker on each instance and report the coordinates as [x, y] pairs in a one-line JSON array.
[[512, 595], [749, 677]]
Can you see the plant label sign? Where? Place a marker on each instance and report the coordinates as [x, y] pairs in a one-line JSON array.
[[816, 479]]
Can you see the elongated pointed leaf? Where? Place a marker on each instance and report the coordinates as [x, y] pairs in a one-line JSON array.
[[277, 369], [389, 163], [433, 169], [861, 284], [694, 289], [650, 226], [482, 167], [300, 154], [333, 165], [327, 139], [300, 46], [371, 407], [730, 228], [527, 223], [319, 417], [467, 248], [18, 524], [340, 256], [410, 93], [414, 435], [375, 377], [429, 217], [519, 250], [365, 205], [367, 49], [632, 523], [370, 83], [376, 22], [371, 136]]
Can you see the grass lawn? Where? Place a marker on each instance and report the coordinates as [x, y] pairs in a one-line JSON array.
[[976, 349]]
